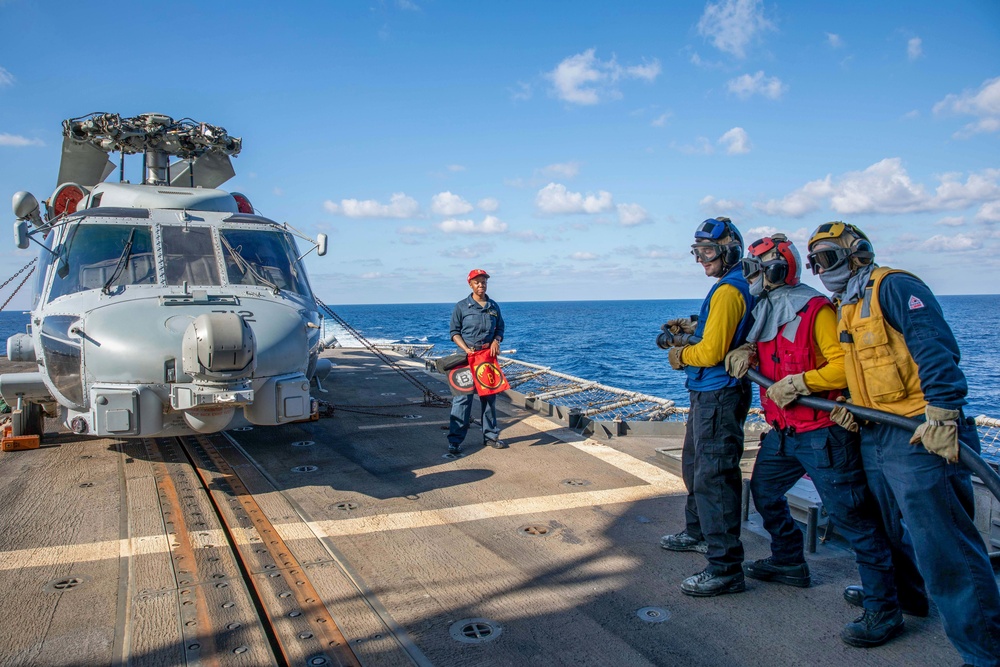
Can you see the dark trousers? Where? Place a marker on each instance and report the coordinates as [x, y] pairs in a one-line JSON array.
[[832, 459], [937, 505], [461, 416], [710, 464]]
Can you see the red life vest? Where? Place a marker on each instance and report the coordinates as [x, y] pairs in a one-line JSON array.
[[780, 357]]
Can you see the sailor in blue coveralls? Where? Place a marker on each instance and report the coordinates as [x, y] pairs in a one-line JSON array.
[[902, 358], [713, 441], [476, 324]]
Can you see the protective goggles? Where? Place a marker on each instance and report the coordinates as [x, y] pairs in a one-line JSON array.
[[751, 267], [827, 258], [706, 252]]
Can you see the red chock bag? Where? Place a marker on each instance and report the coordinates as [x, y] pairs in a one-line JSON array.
[[486, 373]]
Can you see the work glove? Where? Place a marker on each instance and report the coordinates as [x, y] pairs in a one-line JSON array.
[[739, 361], [787, 389], [939, 434], [675, 358], [840, 416], [680, 325]]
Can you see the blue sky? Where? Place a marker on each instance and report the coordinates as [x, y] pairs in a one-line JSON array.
[[568, 148]]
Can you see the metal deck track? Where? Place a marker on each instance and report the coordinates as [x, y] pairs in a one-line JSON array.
[[242, 596]]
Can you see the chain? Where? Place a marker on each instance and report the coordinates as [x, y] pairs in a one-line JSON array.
[[18, 288], [431, 398]]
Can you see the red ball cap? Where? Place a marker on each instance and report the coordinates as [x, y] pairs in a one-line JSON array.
[[475, 273]]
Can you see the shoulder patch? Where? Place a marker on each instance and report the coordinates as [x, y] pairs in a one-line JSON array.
[[915, 303]]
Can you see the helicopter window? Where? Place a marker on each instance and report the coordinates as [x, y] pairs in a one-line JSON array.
[[91, 254], [268, 258], [189, 256]]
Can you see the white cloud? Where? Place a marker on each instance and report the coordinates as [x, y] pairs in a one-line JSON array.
[[18, 141], [950, 242], [561, 169], [456, 167], [521, 93], [586, 80], [373, 275], [701, 146], [528, 236], [630, 215], [951, 221], [713, 205], [467, 253], [732, 24], [747, 85], [490, 225], [914, 48], [412, 231], [6, 78], [736, 141], [989, 212], [760, 232], [984, 104], [662, 119], [801, 202], [446, 203], [886, 187], [555, 199], [834, 40], [583, 256], [488, 204], [399, 206]]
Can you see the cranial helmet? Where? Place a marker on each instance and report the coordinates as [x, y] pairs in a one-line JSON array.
[[834, 242], [776, 258], [718, 236]]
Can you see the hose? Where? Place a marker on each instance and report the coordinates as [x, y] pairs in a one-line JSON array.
[[966, 456]]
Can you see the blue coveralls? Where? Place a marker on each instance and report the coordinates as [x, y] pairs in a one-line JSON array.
[[713, 445], [934, 497], [478, 326], [832, 459]]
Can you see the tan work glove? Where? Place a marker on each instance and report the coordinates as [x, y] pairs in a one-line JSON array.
[[840, 416], [939, 434], [675, 358], [787, 389], [680, 325], [739, 361]]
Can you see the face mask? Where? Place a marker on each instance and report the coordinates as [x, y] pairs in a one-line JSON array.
[[757, 287], [836, 279]]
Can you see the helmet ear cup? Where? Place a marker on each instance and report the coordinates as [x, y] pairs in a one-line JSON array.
[[862, 251], [731, 254]]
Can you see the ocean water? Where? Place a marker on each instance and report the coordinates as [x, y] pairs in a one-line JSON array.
[[613, 342]]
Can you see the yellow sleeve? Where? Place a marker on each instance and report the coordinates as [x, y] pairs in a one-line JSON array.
[[725, 311], [828, 351]]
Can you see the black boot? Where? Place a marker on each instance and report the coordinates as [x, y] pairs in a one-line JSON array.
[[683, 542], [706, 584], [873, 628], [767, 570], [855, 595]]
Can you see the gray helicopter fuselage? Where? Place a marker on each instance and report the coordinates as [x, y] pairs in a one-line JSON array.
[[169, 315]]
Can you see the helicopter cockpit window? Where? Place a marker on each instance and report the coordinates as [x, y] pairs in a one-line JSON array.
[[92, 255], [263, 258], [189, 256]]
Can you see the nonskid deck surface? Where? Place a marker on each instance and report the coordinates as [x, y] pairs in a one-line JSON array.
[[354, 540]]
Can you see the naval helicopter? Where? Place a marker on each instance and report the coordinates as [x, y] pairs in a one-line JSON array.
[[164, 308]]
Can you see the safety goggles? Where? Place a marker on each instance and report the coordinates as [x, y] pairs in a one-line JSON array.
[[827, 258], [706, 252], [751, 267]]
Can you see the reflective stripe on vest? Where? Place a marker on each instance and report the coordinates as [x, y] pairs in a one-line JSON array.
[[881, 373]]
